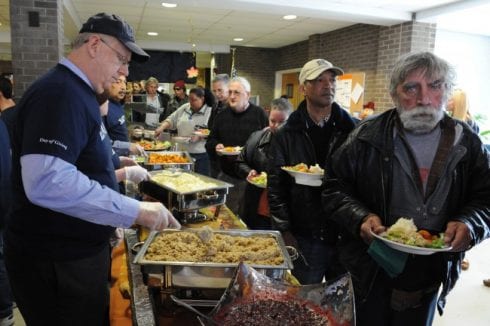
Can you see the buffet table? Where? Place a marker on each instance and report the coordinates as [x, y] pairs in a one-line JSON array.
[[128, 277]]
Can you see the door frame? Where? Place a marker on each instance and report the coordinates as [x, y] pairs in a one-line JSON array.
[[278, 80]]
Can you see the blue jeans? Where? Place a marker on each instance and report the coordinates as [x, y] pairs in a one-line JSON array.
[[201, 164], [321, 261], [5, 293]]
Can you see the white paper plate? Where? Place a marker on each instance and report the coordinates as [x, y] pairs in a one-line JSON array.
[[256, 184], [237, 151], [306, 179], [181, 139], [200, 134], [410, 249]]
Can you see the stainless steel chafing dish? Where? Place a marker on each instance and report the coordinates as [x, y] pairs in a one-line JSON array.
[[188, 166], [209, 275], [185, 203]]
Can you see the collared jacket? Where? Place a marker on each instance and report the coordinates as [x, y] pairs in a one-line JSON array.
[[293, 207], [359, 178]]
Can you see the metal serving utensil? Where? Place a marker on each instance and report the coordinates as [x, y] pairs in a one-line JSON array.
[[194, 310]]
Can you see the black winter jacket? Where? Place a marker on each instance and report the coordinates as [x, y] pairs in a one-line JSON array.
[[358, 181], [297, 208]]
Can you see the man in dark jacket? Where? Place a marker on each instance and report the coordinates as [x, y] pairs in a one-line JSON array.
[[413, 161], [312, 133], [232, 127]]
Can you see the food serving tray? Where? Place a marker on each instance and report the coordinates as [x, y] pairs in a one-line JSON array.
[[188, 165], [213, 184], [186, 200], [210, 274]]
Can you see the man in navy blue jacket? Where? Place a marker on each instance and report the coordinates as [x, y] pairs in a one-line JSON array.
[[66, 200]]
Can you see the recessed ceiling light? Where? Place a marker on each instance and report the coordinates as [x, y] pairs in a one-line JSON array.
[[169, 5], [238, 39], [289, 17], [152, 33]]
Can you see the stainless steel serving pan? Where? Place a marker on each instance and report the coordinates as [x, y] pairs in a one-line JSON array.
[[188, 166], [186, 201], [207, 274]]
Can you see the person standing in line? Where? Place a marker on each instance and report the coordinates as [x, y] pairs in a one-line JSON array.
[[413, 161], [220, 92], [312, 133], [232, 128], [253, 160], [66, 204]]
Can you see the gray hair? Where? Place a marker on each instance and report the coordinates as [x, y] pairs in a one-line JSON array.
[[221, 78], [432, 65], [281, 104], [80, 39], [151, 80], [243, 82]]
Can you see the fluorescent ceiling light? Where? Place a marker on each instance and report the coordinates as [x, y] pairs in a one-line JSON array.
[[152, 33], [289, 17], [169, 5], [238, 39]]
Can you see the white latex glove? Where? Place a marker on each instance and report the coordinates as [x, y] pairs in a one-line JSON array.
[[126, 161], [136, 173], [136, 149], [155, 216]]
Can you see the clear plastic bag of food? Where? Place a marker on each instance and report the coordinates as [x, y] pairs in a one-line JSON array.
[[255, 299]]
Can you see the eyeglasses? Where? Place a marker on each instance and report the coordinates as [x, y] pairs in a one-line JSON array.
[[122, 59]]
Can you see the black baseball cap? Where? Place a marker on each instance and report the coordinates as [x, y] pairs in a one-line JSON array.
[[114, 25]]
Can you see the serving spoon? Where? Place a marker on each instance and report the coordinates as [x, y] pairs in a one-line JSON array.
[[194, 310]]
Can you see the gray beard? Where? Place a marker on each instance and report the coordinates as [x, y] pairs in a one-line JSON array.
[[420, 120]]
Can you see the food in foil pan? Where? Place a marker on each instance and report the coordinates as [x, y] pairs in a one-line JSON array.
[[255, 299], [161, 158], [182, 181], [207, 246]]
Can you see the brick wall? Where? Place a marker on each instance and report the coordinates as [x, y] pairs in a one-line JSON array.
[[353, 48], [36, 49], [257, 65], [5, 66]]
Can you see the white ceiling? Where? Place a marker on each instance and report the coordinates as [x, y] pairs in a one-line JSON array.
[[211, 25]]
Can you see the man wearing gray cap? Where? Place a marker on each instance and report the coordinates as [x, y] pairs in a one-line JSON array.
[[66, 203], [312, 133]]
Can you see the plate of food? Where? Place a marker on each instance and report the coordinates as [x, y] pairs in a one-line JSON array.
[[404, 236], [305, 175], [230, 150], [154, 145], [259, 180], [202, 132]]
